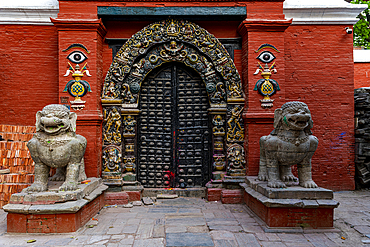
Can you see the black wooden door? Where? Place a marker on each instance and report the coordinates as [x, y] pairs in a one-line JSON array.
[[174, 133]]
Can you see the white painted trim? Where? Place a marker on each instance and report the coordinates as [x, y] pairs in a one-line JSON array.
[[320, 12], [28, 16], [361, 56], [308, 12], [29, 12]]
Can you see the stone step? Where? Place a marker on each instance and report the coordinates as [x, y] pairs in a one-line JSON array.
[[188, 192]]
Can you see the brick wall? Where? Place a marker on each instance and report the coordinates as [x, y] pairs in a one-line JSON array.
[[29, 72], [362, 75], [319, 72], [14, 155]]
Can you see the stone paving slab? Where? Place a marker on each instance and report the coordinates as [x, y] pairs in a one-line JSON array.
[[189, 239], [195, 222]]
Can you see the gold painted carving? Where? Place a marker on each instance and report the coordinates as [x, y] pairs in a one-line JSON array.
[[112, 124], [218, 129], [111, 159], [129, 122], [173, 38], [235, 131]]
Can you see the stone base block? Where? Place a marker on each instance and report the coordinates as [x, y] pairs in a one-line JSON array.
[[52, 195], [214, 194], [54, 218], [116, 198], [231, 196], [134, 195], [290, 207]]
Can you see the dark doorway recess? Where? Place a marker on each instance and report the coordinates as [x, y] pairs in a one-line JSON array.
[[174, 131]]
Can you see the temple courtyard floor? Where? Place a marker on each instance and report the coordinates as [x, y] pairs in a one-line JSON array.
[[195, 222]]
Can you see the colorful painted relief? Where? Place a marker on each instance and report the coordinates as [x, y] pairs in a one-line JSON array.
[[266, 86], [112, 159], [77, 87]]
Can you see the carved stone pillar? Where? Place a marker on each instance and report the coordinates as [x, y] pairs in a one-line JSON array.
[[112, 152], [129, 122], [218, 117], [235, 140]]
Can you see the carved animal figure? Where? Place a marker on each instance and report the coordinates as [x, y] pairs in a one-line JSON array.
[[290, 143], [56, 144]]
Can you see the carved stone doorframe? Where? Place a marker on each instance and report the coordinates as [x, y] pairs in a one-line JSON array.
[[159, 43]]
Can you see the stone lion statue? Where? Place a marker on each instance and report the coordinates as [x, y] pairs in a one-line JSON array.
[[56, 144], [291, 142]]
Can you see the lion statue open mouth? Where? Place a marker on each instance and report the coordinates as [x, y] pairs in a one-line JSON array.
[[56, 144], [290, 143]]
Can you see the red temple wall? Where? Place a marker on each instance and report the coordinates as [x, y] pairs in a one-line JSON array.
[[319, 72], [362, 75], [29, 72]]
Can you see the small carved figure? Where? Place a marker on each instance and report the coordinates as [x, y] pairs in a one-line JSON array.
[[112, 126], [218, 123], [113, 118], [129, 164], [110, 91], [56, 144], [126, 94], [235, 131], [236, 160], [111, 159], [234, 90], [219, 163], [219, 96], [290, 143], [129, 123]]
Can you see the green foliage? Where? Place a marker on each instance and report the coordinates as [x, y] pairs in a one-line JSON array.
[[361, 31]]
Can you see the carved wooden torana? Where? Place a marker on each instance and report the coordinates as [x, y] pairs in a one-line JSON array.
[[158, 45]]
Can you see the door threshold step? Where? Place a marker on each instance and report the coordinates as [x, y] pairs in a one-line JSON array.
[[187, 192]]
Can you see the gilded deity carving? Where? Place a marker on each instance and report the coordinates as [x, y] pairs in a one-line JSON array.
[[111, 159], [129, 164], [111, 91], [218, 124], [236, 160], [126, 94], [129, 123], [112, 124], [219, 162], [219, 96], [235, 132], [234, 90]]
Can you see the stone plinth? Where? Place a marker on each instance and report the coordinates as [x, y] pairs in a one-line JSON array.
[[60, 212], [293, 206]]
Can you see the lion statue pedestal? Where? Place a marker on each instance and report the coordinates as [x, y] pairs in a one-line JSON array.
[[64, 201], [276, 195]]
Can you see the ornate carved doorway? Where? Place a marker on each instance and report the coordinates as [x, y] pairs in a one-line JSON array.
[[168, 85], [174, 135]]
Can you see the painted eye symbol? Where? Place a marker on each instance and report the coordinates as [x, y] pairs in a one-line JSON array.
[[266, 57], [76, 57]]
